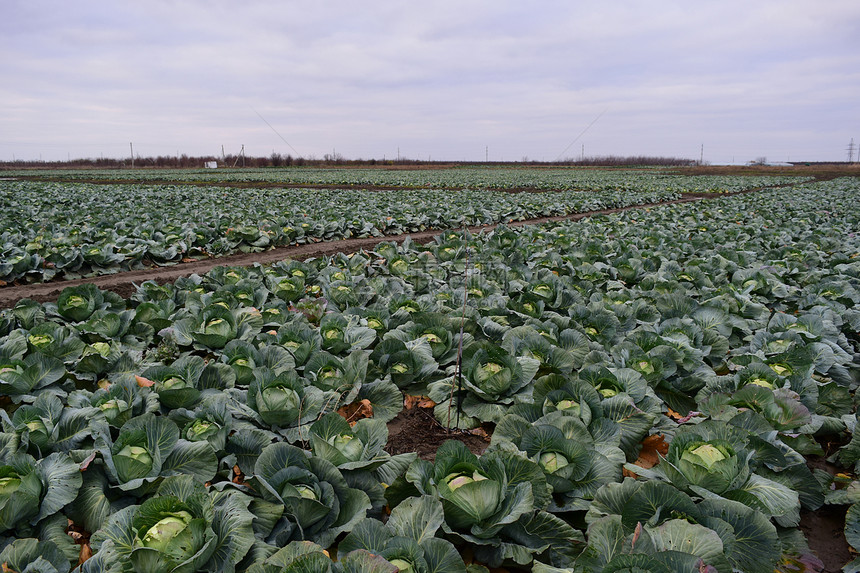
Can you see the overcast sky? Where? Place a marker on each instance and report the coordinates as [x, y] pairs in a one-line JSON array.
[[440, 80]]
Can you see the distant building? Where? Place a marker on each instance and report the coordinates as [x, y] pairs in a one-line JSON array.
[[211, 165]]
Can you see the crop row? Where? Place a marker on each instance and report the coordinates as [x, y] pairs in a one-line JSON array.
[[74, 229], [458, 178], [202, 425]]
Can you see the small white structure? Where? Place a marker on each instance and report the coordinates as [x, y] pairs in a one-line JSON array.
[[211, 165]]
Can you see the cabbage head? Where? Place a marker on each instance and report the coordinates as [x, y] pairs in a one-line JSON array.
[[707, 458], [181, 528], [277, 399], [319, 504], [31, 490]]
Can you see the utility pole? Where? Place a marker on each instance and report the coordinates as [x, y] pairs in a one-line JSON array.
[[487, 154], [851, 152], [702, 155], [242, 155], [131, 147]]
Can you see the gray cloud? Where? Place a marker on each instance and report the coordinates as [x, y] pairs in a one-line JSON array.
[[441, 79]]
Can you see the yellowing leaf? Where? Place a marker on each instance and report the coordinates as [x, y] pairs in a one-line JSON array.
[[651, 447], [86, 553], [410, 402], [356, 411]]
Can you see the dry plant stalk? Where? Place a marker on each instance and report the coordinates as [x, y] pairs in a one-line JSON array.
[[460, 342]]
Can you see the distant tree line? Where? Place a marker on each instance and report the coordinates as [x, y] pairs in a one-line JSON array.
[[278, 160], [628, 160]]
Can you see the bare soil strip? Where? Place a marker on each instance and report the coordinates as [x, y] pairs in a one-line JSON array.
[[283, 185], [125, 283]]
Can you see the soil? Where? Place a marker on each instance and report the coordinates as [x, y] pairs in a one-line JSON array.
[[824, 533], [270, 184], [416, 430], [820, 171], [824, 527]]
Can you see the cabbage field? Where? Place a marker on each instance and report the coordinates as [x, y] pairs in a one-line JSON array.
[[668, 388], [75, 229], [67, 229], [553, 179]]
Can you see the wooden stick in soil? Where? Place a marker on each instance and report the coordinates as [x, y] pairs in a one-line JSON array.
[[460, 343]]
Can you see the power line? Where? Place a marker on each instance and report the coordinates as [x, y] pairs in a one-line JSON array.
[[581, 133], [276, 132]]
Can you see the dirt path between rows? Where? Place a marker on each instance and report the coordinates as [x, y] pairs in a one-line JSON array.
[[281, 185], [125, 283]]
